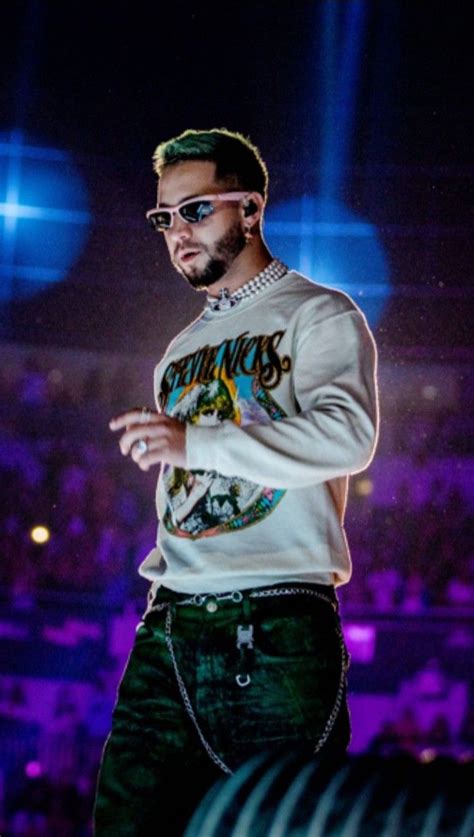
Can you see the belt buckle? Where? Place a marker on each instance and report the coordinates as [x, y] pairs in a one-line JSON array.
[[244, 636]]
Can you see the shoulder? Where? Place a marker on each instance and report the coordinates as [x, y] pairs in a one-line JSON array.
[[320, 302], [326, 318]]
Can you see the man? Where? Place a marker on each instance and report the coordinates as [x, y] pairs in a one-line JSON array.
[[266, 403]]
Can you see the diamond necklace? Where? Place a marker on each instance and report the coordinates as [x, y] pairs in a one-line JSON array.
[[270, 274]]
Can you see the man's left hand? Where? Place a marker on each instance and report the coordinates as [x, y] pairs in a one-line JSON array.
[[165, 438]]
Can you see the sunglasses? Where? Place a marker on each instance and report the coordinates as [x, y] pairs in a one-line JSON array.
[[192, 211]]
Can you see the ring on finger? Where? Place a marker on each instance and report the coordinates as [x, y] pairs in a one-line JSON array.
[[145, 415], [141, 446]]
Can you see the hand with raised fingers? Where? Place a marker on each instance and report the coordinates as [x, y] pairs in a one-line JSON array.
[[151, 438]]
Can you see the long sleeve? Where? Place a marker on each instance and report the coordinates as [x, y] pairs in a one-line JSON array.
[[334, 429]]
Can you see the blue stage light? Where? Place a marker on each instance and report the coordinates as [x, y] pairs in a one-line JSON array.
[[327, 242], [44, 216], [317, 233]]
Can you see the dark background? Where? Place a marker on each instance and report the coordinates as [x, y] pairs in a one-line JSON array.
[[108, 81]]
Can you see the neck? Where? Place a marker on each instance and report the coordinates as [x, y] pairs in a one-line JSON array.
[[253, 258]]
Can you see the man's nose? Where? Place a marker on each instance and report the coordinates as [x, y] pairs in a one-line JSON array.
[[180, 230]]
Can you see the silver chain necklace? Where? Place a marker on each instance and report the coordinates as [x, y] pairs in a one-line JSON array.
[[270, 274]]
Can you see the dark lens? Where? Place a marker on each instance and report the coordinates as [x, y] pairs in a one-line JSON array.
[[196, 211], [160, 220]]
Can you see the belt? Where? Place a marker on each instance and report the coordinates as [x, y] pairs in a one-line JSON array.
[[212, 601]]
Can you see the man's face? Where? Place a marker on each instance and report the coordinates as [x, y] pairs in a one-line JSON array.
[[201, 252]]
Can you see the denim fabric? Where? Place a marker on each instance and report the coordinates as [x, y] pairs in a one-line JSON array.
[[155, 752]]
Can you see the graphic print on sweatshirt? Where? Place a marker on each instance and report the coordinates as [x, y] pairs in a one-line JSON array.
[[228, 382]]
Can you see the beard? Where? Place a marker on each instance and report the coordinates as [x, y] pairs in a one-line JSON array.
[[220, 257]]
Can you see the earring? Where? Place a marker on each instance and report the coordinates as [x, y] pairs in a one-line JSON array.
[[248, 235]]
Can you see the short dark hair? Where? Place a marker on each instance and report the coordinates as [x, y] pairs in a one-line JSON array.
[[237, 160]]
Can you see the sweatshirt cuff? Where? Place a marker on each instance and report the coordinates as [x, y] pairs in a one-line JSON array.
[[202, 446]]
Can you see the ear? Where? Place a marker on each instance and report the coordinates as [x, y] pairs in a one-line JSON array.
[[252, 209]]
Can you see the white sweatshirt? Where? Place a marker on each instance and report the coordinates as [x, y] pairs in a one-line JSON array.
[[279, 396]]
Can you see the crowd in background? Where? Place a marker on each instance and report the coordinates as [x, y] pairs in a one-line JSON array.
[[410, 531], [410, 559], [412, 547], [61, 469], [50, 770]]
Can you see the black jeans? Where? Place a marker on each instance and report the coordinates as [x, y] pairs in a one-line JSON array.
[[207, 686]]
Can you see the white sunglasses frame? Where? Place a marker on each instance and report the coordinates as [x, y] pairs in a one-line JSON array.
[[221, 196]]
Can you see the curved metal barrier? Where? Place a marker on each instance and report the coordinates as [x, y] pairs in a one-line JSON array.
[[360, 796]]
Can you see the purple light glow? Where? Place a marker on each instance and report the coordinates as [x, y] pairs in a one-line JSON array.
[[33, 769], [360, 641]]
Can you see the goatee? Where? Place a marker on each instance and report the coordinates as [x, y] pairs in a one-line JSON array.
[[223, 253]]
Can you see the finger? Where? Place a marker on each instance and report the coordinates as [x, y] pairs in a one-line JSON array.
[[152, 457], [135, 416], [138, 449], [119, 422], [137, 453], [137, 432]]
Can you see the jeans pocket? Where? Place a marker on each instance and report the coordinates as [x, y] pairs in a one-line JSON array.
[[300, 635]]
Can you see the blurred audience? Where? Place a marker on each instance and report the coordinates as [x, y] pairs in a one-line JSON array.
[[412, 536], [409, 524]]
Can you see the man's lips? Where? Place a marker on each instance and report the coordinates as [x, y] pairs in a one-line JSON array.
[[186, 255]]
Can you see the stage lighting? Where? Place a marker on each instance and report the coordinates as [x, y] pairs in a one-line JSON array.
[[44, 216], [328, 243], [40, 534]]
